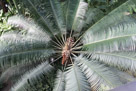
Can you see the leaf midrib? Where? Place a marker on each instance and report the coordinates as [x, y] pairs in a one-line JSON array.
[[74, 13], [27, 51], [55, 15], [84, 62], [76, 77], [40, 16], [106, 15], [112, 54], [108, 39], [57, 89]]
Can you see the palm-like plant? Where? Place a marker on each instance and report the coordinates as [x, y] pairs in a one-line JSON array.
[[86, 49]]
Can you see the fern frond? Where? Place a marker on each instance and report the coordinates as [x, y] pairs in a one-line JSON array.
[[120, 37], [75, 79], [103, 32], [75, 14], [21, 50], [122, 60], [125, 77], [33, 30], [43, 14], [58, 14], [80, 16], [60, 81], [15, 72], [113, 18], [32, 76], [92, 16], [97, 74]]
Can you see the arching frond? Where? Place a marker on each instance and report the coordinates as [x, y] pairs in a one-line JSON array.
[[32, 28], [58, 14], [113, 18], [75, 14], [60, 81], [75, 79], [123, 76], [105, 33], [32, 76], [123, 60], [98, 74], [15, 72], [92, 16], [20, 50], [28, 37], [43, 13], [80, 16], [120, 37]]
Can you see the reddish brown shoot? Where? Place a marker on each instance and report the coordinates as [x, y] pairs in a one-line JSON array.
[[66, 51]]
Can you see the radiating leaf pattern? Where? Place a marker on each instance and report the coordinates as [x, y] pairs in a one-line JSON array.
[[98, 47]]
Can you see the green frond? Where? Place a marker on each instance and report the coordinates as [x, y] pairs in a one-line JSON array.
[[75, 14], [92, 16], [47, 13], [109, 44], [33, 30], [123, 60], [60, 81], [80, 16], [20, 50], [112, 32], [58, 14], [32, 76], [64, 6], [75, 79], [116, 16], [13, 73], [116, 38], [97, 74], [22, 38], [123, 76]]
